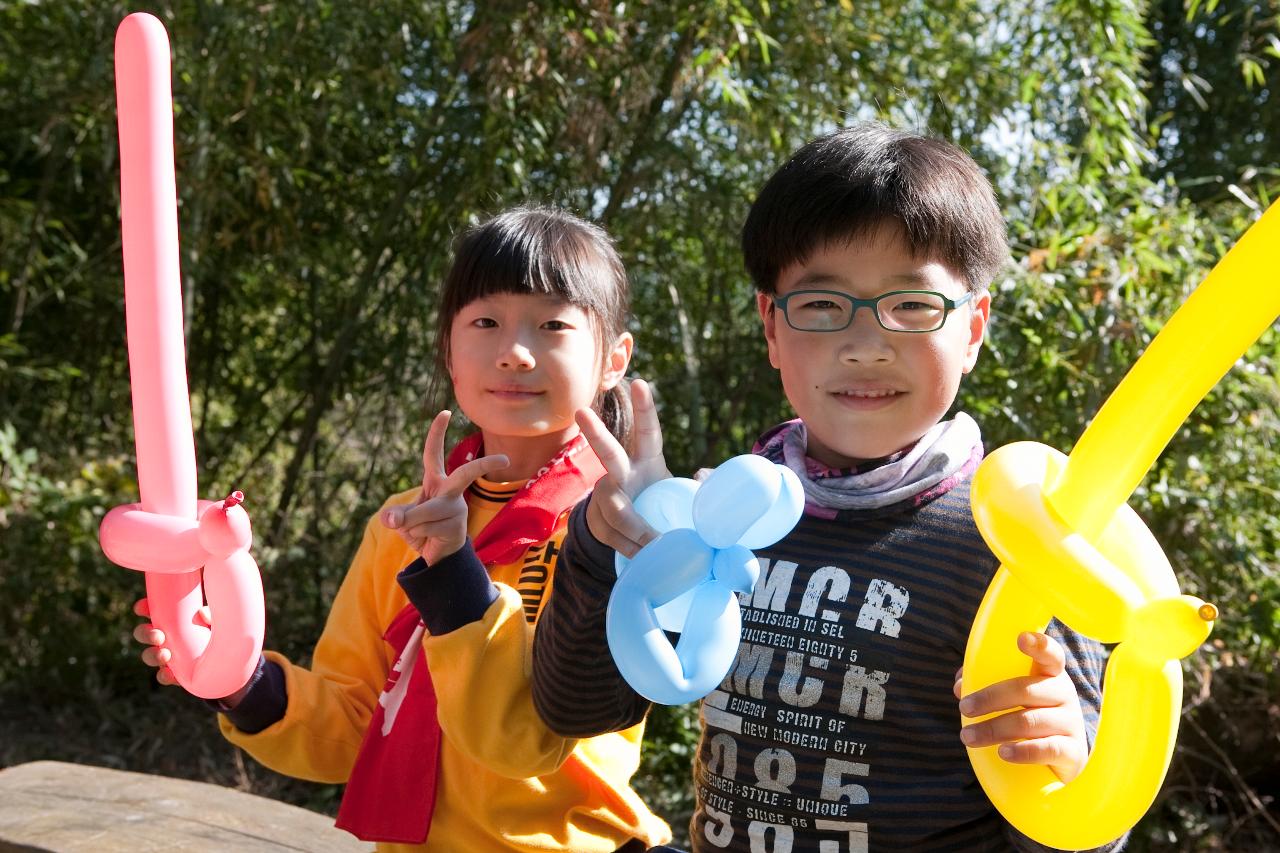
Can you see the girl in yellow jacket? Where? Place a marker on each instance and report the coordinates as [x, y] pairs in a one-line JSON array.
[[419, 693]]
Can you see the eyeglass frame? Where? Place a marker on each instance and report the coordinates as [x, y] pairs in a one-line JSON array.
[[948, 305]]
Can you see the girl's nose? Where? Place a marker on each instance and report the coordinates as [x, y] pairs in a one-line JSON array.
[[515, 356]]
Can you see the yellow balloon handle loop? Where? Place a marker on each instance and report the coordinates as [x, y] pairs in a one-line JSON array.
[[1119, 589], [1070, 547]]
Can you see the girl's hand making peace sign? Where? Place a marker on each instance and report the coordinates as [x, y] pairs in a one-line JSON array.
[[435, 524]]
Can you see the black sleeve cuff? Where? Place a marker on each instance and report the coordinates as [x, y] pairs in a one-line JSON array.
[[454, 592], [585, 551], [264, 704]]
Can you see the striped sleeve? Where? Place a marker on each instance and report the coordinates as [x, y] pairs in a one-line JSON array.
[[577, 689], [1086, 661]]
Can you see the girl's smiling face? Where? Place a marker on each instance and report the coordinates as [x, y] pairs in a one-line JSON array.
[[522, 364], [865, 392]]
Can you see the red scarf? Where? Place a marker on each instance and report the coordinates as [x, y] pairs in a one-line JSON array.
[[392, 790]]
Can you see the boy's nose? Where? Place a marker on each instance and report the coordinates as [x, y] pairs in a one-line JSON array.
[[865, 340]]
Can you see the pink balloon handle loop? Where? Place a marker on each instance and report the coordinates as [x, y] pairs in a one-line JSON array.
[[208, 560]]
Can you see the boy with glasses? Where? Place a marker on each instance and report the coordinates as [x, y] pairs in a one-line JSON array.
[[836, 730]]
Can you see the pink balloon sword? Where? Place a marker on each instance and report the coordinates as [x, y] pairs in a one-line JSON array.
[[190, 550]]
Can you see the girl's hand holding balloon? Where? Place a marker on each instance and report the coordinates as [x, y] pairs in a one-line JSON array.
[[149, 635], [158, 656], [435, 524], [1040, 719], [611, 516]]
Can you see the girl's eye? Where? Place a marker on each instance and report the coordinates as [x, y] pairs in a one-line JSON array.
[[484, 323], [556, 325]]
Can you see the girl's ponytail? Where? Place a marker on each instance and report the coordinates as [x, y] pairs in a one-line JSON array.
[[614, 408]]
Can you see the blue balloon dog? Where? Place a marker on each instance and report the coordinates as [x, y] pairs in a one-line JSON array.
[[686, 580]]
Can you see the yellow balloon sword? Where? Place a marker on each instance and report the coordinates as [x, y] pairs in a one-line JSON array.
[[1071, 547]]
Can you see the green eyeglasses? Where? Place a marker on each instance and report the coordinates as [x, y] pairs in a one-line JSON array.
[[911, 311]]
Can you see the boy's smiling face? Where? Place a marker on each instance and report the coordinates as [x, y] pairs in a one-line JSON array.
[[865, 392]]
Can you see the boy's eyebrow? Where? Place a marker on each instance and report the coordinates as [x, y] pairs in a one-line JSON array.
[[818, 277]]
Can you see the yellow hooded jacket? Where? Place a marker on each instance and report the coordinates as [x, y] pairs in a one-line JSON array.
[[506, 783]]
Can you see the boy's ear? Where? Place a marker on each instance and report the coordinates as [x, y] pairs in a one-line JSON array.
[[769, 316], [617, 361], [978, 319]]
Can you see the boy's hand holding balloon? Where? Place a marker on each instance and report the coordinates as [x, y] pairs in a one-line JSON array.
[[611, 516], [1040, 719], [435, 524]]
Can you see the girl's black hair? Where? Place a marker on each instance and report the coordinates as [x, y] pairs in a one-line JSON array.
[[546, 251], [847, 184]]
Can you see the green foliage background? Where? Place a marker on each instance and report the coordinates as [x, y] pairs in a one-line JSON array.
[[328, 152]]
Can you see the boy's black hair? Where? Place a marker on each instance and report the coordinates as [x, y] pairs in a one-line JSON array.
[[541, 250], [849, 183]]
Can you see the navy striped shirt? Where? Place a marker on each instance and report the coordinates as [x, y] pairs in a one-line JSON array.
[[836, 730]]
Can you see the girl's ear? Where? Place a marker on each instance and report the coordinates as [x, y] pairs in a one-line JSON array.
[[616, 361]]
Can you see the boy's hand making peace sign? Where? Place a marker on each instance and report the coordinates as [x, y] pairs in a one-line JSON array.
[[435, 524], [610, 516]]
